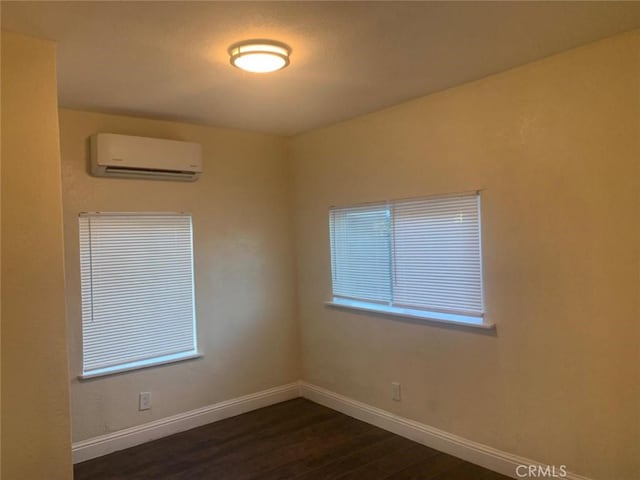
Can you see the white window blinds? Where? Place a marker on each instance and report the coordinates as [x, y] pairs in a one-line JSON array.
[[422, 254], [360, 245], [436, 251], [137, 290]]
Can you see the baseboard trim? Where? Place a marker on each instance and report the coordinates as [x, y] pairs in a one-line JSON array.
[[129, 437], [483, 455]]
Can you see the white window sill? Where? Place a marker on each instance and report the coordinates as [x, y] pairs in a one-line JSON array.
[[435, 317], [151, 362]]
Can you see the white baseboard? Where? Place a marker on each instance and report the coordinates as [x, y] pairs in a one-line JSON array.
[[129, 437], [483, 455]]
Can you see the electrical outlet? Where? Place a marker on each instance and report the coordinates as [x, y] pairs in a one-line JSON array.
[[395, 391], [144, 401]]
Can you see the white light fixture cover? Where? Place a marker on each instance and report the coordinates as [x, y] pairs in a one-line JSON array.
[[259, 56]]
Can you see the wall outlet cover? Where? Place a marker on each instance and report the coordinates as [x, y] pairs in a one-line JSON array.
[[144, 401]]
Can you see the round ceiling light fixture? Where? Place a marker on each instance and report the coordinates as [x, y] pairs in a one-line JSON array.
[[259, 56]]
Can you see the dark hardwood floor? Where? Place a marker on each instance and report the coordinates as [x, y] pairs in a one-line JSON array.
[[297, 440]]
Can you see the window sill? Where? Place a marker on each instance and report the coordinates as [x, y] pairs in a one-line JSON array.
[[427, 317], [127, 367]]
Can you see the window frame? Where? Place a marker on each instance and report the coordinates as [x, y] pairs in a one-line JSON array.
[[421, 315]]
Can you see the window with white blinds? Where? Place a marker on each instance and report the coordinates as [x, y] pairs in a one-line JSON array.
[[419, 258], [137, 291]]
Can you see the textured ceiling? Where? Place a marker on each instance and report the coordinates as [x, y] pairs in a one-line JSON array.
[[169, 60]]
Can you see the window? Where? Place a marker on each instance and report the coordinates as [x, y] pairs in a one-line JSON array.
[[137, 291], [418, 258]]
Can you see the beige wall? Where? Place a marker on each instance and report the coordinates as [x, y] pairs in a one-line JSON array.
[[0, 293], [35, 397], [554, 145], [243, 269]]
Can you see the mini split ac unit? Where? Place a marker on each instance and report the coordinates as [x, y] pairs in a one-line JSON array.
[[141, 157]]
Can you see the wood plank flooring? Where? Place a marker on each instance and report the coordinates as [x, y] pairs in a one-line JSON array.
[[297, 440]]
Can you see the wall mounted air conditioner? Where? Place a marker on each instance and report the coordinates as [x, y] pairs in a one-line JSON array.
[[141, 157]]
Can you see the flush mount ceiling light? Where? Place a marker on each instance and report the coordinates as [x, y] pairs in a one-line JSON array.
[[259, 56]]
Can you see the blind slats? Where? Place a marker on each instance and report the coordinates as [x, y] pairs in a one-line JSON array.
[[423, 254], [137, 288], [360, 253]]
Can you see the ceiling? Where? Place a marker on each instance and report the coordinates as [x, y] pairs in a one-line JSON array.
[[168, 59]]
